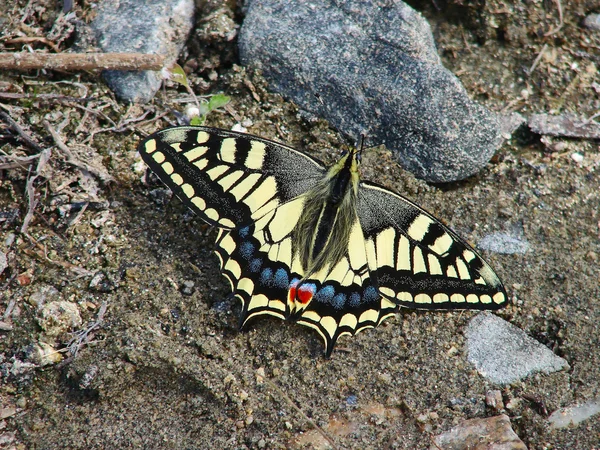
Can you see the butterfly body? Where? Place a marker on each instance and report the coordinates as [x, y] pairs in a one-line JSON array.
[[316, 245]]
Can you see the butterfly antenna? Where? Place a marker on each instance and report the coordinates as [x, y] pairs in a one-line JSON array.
[[360, 146]]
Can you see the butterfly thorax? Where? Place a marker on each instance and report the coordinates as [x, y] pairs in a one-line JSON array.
[[323, 230]]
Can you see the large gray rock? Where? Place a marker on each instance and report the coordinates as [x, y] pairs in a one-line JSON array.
[[372, 68], [151, 26]]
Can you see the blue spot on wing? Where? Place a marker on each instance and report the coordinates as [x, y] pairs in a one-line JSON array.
[[244, 232], [282, 280], [266, 277], [247, 250], [355, 299], [338, 301], [325, 294], [370, 294], [255, 265]]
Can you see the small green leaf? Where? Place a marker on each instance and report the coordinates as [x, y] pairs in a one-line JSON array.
[[178, 75], [198, 120], [218, 101]]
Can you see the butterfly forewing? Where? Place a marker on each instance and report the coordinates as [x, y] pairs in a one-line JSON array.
[[257, 192], [418, 262], [229, 179]]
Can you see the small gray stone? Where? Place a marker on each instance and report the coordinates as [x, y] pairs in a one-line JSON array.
[[505, 243], [100, 282], [574, 415], [564, 125], [372, 68], [592, 21], [161, 196], [3, 261], [57, 318], [503, 353], [43, 354], [509, 123], [45, 294], [152, 26], [187, 287]]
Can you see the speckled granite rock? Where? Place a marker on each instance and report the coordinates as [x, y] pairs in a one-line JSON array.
[[153, 26], [372, 68]]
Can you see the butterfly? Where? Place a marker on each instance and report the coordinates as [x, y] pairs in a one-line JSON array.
[[312, 244]]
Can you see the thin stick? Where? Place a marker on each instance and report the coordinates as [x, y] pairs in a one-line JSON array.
[[84, 336], [560, 20], [33, 39], [15, 126], [13, 162], [80, 271], [42, 97], [44, 157], [588, 121], [537, 59], [71, 159], [81, 61]]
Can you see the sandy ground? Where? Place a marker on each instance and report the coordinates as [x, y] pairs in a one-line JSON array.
[[167, 368]]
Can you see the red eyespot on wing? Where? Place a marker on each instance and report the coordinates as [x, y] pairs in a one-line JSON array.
[[303, 293], [306, 292], [292, 293]]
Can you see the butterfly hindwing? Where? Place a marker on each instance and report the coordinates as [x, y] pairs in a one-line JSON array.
[[261, 273], [345, 299], [257, 261]]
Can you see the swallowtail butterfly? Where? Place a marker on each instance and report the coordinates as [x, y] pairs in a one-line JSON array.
[[316, 245]]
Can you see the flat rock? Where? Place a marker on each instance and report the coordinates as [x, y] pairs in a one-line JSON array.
[[153, 26], [574, 415], [592, 21], [503, 353], [3, 262], [491, 433], [566, 125], [372, 68]]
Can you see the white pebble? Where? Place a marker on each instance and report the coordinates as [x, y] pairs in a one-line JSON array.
[[577, 157], [239, 127]]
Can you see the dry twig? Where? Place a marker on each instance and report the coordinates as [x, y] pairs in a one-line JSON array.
[[564, 126], [81, 61], [33, 39], [13, 162], [42, 97], [32, 200], [82, 337], [80, 271], [24, 136], [537, 59], [561, 22]]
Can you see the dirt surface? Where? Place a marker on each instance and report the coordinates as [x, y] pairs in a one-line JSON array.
[[164, 365]]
